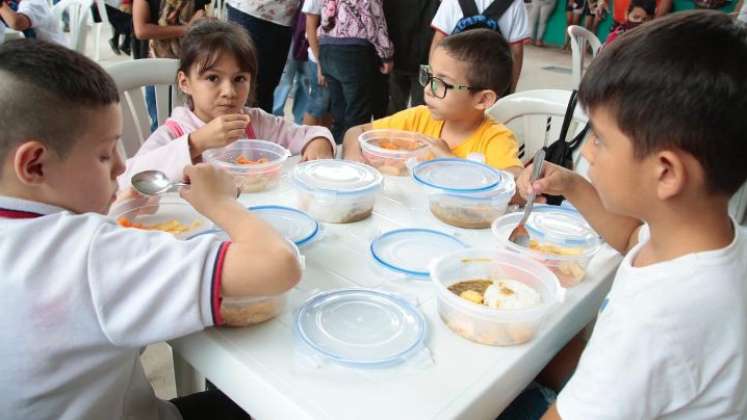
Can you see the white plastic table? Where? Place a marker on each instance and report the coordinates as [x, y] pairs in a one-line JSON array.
[[260, 369]]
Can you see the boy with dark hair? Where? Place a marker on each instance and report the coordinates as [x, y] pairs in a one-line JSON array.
[[82, 295], [667, 104], [468, 73]]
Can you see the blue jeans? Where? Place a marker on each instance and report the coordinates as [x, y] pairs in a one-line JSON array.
[[531, 404], [296, 78], [272, 42], [150, 102], [351, 79], [318, 104]]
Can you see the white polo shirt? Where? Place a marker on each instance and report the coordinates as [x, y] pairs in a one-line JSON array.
[[80, 297], [42, 20], [513, 23], [670, 341]]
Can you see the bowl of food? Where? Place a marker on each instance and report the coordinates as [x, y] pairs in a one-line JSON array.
[[168, 214], [336, 191], [256, 165], [559, 238], [494, 297], [392, 152], [465, 193]]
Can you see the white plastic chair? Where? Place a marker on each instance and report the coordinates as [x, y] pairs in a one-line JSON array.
[[219, 10], [526, 112], [78, 11], [131, 77], [738, 205], [580, 37], [101, 7]]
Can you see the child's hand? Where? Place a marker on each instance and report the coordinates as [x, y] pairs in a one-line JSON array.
[[318, 148], [219, 132], [554, 180], [352, 151], [439, 148], [386, 67], [209, 185]]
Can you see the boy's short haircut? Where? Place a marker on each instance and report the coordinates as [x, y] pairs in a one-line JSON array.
[[487, 56], [648, 6], [45, 93], [679, 82]]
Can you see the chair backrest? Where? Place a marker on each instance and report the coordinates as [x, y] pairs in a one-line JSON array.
[[78, 12], [131, 77], [738, 205], [580, 38], [526, 112]]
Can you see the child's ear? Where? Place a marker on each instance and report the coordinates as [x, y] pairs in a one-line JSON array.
[[183, 82], [484, 99], [671, 174], [30, 162]]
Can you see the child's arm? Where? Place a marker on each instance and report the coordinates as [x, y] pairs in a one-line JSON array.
[[351, 149], [621, 232], [259, 261], [312, 23], [310, 140], [17, 21]]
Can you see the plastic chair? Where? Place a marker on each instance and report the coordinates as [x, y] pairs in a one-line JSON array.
[[738, 205], [131, 77], [78, 11], [526, 112], [101, 7], [580, 37]]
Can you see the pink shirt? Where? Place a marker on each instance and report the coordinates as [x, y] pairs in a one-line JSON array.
[[357, 19], [169, 153]]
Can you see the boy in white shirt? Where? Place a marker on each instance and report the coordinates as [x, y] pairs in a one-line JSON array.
[[668, 149], [82, 295], [35, 15]]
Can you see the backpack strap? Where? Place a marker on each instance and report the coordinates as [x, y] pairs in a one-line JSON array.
[[497, 9], [469, 8], [174, 128]]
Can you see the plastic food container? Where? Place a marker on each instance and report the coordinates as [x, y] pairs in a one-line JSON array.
[[560, 238], [244, 311], [390, 151], [336, 191], [163, 213], [483, 324], [256, 165], [464, 193]]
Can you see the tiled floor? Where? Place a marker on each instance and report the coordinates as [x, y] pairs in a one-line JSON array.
[[543, 68]]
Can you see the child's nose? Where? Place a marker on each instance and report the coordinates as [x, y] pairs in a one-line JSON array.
[[227, 89], [118, 167]]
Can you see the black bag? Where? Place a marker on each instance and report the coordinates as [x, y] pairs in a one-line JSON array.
[[560, 152], [472, 19]]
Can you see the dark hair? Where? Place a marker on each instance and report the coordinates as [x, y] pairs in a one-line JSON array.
[[46, 92], [648, 6], [206, 41], [679, 82], [487, 56]]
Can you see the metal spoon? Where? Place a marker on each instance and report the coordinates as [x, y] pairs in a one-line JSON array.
[[153, 182], [519, 235]]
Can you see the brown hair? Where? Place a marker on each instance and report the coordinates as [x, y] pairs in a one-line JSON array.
[[46, 94], [208, 40], [679, 82]]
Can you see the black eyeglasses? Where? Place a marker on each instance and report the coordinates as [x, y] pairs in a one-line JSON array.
[[439, 88]]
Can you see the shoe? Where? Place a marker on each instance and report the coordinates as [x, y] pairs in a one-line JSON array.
[[125, 48], [114, 46]]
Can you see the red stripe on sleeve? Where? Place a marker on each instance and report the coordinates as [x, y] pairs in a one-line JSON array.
[[216, 297]]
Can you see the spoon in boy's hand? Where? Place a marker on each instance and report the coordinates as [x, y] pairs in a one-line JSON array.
[[154, 182], [519, 235]]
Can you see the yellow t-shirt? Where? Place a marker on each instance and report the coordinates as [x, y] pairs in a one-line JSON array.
[[494, 140]]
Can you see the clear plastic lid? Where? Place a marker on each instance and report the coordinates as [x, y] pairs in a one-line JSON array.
[[561, 226], [294, 225], [410, 251], [336, 176], [456, 175], [361, 327]]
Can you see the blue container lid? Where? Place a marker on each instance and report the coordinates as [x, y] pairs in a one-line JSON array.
[[294, 225], [361, 327], [456, 175], [561, 226], [410, 251]]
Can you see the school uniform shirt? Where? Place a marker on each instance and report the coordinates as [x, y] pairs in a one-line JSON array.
[[42, 20], [167, 149], [81, 296], [670, 341], [513, 23], [491, 139]]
